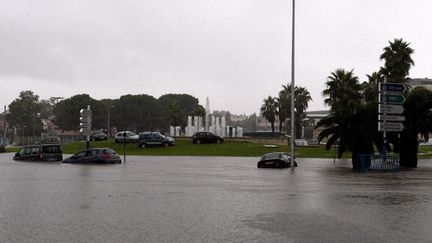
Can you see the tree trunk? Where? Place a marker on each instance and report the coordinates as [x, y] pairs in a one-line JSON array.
[[408, 149]]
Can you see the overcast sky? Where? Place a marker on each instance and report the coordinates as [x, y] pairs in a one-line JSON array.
[[236, 52]]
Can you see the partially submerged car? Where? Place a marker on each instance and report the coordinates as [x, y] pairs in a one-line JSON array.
[[40, 152], [95, 156], [275, 160]]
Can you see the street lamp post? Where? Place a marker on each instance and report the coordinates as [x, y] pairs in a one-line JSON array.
[[292, 86]]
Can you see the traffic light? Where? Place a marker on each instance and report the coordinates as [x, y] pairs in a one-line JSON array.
[[85, 122]]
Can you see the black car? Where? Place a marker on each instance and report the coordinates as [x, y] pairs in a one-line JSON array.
[[206, 137], [152, 139], [275, 160], [95, 156], [40, 152], [98, 136]]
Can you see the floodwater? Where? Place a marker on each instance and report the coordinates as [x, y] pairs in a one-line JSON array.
[[212, 199]]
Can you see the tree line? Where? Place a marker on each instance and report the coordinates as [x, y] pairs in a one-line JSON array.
[[129, 112]]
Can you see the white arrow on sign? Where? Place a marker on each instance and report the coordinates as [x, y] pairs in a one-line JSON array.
[[390, 126], [390, 109], [391, 118]]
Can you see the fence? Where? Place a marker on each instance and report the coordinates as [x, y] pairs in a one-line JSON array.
[[379, 162]]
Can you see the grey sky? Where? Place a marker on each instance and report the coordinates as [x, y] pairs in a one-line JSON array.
[[236, 52]]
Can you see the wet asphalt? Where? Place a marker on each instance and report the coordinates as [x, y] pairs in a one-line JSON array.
[[212, 199]]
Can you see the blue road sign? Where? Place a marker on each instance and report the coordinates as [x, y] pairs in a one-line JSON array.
[[392, 87]]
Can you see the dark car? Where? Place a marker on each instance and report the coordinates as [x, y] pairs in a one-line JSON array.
[[152, 139], [206, 137], [40, 152], [95, 156], [275, 160], [98, 136]]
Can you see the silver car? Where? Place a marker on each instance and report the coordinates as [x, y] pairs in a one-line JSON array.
[[126, 137]]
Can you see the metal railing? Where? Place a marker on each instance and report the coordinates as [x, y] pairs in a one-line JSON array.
[[379, 162]]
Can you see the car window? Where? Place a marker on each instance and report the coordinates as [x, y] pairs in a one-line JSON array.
[[51, 149], [21, 151], [109, 151], [34, 150], [80, 154], [27, 151], [92, 152]]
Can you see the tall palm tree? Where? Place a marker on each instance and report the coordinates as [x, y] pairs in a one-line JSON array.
[[342, 87], [269, 110], [281, 110], [302, 98], [398, 61], [301, 103], [352, 122]]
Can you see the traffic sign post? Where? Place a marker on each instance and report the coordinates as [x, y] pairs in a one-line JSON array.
[[390, 101], [392, 87], [390, 126], [389, 98], [86, 124], [390, 109], [394, 118]]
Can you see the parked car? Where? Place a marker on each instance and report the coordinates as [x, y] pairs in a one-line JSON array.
[[50, 140], [426, 143], [275, 160], [206, 137], [95, 156], [98, 135], [40, 152], [151, 139], [130, 137]]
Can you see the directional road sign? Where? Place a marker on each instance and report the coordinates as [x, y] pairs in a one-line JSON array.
[[390, 126], [391, 98], [392, 87], [390, 118], [390, 109]]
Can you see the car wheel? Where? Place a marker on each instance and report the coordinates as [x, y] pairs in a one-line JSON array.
[[198, 141], [143, 145], [218, 141], [165, 144], [117, 141]]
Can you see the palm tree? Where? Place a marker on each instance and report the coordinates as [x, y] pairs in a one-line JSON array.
[[281, 110], [352, 122], [302, 98], [398, 61], [342, 87], [301, 103], [370, 88], [269, 110]]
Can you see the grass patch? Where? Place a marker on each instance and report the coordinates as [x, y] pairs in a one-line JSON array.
[[187, 148]]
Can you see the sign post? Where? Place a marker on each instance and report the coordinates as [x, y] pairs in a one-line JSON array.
[[390, 99], [86, 124]]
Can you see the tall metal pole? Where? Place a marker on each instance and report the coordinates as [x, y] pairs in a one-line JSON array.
[[292, 86], [108, 125]]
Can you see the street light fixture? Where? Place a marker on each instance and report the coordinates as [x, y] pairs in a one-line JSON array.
[[292, 86]]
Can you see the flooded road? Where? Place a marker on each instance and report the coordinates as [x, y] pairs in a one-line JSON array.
[[212, 199]]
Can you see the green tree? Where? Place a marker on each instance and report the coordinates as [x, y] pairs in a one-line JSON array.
[[302, 98], [24, 113], [418, 116], [269, 110], [139, 113], [342, 87], [67, 112], [370, 88], [398, 61], [178, 107], [352, 121]]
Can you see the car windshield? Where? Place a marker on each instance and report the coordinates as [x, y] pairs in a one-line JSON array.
[[109, 151], [272, 156]]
